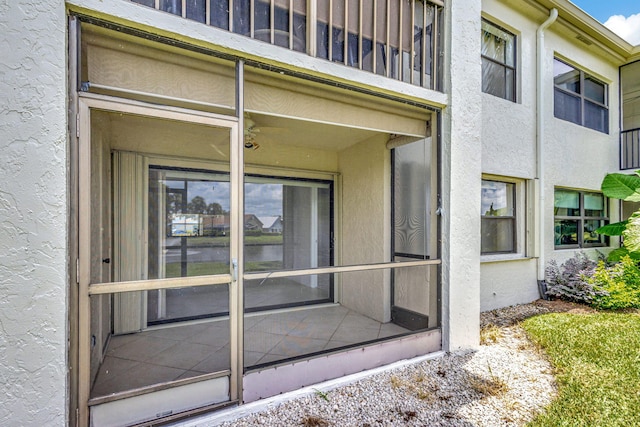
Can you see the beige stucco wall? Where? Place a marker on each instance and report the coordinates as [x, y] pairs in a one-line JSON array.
[[461, 171], [509, 128], [365, 221], [33, 214], [574, 156], [508, 282], [509, 150], [578, 157]]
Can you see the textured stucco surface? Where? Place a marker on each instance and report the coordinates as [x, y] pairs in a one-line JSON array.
[[574, 156], [506, 283], [33, 213], [461, 162], [509, 150], [509, 128], [365, 226]]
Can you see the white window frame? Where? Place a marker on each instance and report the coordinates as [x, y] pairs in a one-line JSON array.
[[582, 97], [504, 65], [521, 220]]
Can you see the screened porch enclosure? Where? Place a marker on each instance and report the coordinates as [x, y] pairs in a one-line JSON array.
[[231, 239], [171, 219]]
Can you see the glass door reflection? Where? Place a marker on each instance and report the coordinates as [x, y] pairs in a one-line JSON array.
[[189, 225]]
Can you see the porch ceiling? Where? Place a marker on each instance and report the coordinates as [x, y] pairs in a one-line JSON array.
[[267, 130], [304, 133]]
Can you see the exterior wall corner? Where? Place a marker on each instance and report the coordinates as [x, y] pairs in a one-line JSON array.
[[461, 165], [34, 213]]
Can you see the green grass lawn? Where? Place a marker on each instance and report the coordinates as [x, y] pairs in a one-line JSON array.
[[265, 239], [207, 268], [597, 358]]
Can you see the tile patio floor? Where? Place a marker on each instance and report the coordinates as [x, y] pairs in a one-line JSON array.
[[185, 350]]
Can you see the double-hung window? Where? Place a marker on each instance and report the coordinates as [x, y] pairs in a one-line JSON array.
[[498, 61], [577, 216], [579, 97], [499, 228]]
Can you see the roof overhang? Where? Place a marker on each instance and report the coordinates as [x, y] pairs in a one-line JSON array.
[[588, 30]]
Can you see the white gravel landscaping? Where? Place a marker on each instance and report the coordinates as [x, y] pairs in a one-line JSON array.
[[503, 383]]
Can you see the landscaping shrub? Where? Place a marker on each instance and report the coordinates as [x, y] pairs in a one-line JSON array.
[[570, 281], [620, 283]]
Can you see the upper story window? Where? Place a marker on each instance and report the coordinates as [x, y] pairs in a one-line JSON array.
[[498, 61], [395, 38], [498, 226], [577, 215], [579, 97]]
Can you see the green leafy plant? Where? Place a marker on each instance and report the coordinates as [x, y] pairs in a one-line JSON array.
[[619, 285], [626, 188], [321, 394]]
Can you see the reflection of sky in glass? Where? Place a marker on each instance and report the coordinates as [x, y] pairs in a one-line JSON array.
[[566, 76], [494, 193], [560, 68], [263, 199], [260, 199], [211, 192]]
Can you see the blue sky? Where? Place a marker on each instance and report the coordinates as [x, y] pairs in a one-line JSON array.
[[603, 9], [620, 16]]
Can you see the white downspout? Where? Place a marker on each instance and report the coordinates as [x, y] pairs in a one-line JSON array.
[[540, 117]]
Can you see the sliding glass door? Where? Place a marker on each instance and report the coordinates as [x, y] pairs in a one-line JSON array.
[[189, 235], [294, 228], [287, 225]]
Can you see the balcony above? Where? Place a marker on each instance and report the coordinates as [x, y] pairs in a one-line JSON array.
[[630, 112], [398, 39], [630, 149]]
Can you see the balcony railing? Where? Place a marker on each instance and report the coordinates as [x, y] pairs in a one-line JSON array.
[[399, 39], [630, 149]]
